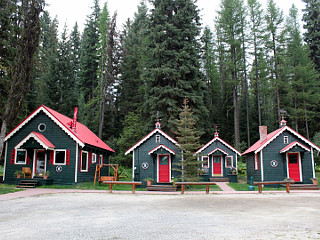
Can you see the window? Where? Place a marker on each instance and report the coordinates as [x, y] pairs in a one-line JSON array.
[[285, 139], [84, 161], [100, 159], [93, 158], [205, 164], [229, 161], [42, 127], [256, 162], [157, 138], [60, 157], [21, 156]]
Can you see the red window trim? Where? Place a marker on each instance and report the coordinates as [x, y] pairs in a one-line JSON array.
[[256, 161], [229, 166]]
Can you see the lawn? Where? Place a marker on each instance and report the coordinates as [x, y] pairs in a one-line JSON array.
[[4, 188]]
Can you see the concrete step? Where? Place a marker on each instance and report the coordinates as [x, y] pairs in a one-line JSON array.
[[162, 188]]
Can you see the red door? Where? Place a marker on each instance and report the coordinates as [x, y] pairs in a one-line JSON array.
[[294, 166], [164, 169], [216, 166]]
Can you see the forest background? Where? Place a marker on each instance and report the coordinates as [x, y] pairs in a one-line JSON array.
[[249, 69]]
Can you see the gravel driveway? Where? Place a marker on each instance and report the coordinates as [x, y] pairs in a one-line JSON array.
[[118, 216]]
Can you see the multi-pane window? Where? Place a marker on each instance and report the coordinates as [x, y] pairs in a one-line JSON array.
[[21, 156], [157, 138], [93, 158], [229, 161], [205, 164], [285, 139], [256, 161]]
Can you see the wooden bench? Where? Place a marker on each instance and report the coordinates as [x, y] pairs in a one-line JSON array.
[[106, 178], [182, 184], [26, 171], [287, 183], [122, 183]]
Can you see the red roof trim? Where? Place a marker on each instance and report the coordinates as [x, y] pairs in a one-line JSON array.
[[156, 130], [42, 140], [291, 145], [223, 142], [161, 146]]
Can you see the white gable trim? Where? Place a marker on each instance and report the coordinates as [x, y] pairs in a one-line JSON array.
[[223, 142], [294, 133], [161, 146], [157, 130], [292, 145], [56, 121], [32, 135], [218, 149]]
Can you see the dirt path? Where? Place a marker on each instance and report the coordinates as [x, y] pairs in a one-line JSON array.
[[127, 216]]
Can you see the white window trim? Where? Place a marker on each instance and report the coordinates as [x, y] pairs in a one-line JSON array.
[[100, 159], [158, 138], [205, 160], [94, 158], [86, 170], [65, 156], [16, 155], [256, 159], [231, 157], [285, 139]]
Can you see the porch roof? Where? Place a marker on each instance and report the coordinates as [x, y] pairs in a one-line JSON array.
[[39, 138], [294, 144], [216, 150], [161, 146]]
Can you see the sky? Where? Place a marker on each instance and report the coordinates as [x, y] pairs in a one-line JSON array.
[[71, 11]]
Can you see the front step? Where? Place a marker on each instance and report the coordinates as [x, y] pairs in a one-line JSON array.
[[27, 184], [219, 179], [304, 187], [162, 188]]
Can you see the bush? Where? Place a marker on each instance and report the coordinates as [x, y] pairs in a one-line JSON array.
[[242, 169]]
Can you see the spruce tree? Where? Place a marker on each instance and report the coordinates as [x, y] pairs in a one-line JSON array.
[[311, 17], [172, 65], [188, 138]]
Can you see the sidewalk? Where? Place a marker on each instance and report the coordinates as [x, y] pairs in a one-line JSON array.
[[224, 187]]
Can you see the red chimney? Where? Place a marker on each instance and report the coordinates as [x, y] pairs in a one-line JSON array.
[[263, 130], [74, 120]]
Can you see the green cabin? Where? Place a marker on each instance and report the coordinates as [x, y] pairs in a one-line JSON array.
[[218, 160], [155, 156], [47, 141], [281, 154]]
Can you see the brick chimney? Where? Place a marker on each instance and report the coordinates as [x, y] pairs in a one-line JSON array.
[[263, 130]]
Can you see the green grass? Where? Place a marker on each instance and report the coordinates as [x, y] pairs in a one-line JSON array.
[[202, 188], [4, 188], [245, 187]]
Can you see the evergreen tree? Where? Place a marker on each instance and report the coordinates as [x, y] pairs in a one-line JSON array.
[[188, 138], [172, 67], [311, 17]]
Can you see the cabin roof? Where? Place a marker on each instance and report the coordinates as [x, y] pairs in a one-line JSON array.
[[220, 140], [81, 134], [258, 146]]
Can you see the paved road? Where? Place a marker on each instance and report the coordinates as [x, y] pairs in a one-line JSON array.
[[126, 216]]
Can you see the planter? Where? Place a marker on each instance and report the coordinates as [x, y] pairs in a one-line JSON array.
[[19, 176], [314, 181], [149, 182], [45, 177]]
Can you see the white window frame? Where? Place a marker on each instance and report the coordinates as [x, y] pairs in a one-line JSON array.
[[65, 157], [16, 155], [256, 161], [229, 166], [100, 159], [157, 138], [202, 165], [93, 158], [87, 161], [285, 139]]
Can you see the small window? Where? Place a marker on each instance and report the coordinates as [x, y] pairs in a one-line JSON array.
[[157, 138], [93, 158], [285, 139], [21, 157], [205, 164], [84, 161], [229, 161], [60, 157], [42, 127], [256, 162], [100, 159]]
